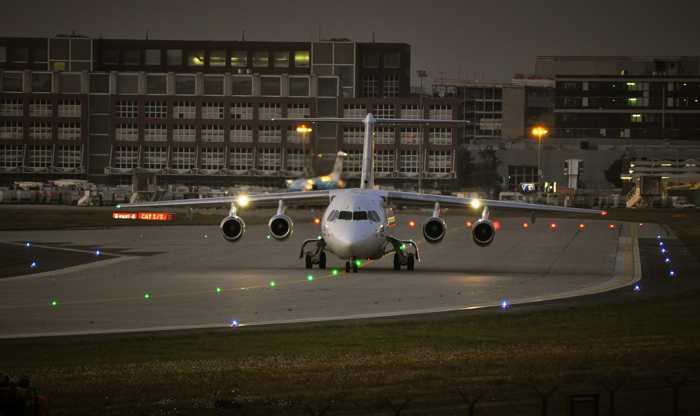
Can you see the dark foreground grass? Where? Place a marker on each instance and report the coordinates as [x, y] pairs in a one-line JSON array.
[[643, 343]]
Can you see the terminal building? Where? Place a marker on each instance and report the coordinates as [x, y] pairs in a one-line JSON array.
[[201, 112]]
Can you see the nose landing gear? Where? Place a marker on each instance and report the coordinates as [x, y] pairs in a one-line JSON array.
[[316, 255], [403, 257]]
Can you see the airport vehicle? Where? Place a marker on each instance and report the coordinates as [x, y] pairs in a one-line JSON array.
[[331, 181], [355, 224]]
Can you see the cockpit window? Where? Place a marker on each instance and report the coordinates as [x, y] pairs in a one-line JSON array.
[[373, 216], [332, 216], [345, 215], [359, 215]]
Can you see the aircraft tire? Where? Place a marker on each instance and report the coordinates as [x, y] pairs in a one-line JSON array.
[[397, 262], [410, 263], [322, 260], [309, 263]]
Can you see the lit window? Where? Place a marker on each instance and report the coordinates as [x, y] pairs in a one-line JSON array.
[[126, 132], [268, 111], [11, 156], [69, 108], [155, 109], [354, 111], [127, 109], [69, 157], [441, 112], [440, 162], [384, 162], [217, 58], [241, 134], [636, 118], [269, 134], [408, 162], [40, 130], [269, 160], [11, 108], [441, 136], [39, 157], [239, 59], [213, 111], [184, 110], [281, 59], [125, 157], [413, 111], [301, 59], [353, 163], [391, 86], [155, 157], [353, 135], [370, 86], [212, 134], [261, 59], [411, 135], [384, 111], [384, 135], [69, 131], [155, 133], [11, 130], [297, 110], [195, 58], [295, 160]]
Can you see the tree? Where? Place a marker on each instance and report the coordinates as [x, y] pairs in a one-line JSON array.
[[612, 173]]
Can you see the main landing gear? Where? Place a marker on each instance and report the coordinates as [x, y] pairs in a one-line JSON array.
[[351, 265], [316, 255], [403, 257]]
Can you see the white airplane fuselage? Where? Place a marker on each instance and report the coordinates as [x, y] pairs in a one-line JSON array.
[[350, 233]]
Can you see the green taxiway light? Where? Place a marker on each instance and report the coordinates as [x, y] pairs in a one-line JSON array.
[[272, 283], [146, 295], [310, 278], [358, 263], [54, 302], [218, 290], [334, 272]]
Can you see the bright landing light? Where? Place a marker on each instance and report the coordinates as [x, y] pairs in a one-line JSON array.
[[475, 203], [243, 200]]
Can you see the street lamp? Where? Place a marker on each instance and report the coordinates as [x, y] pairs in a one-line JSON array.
[[304, 130], [539, 132]]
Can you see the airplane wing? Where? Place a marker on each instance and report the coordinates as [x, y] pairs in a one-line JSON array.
[[413, 198], [262, 199]]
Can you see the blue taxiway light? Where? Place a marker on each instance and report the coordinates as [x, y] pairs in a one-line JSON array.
[[658, 236], [234, 323], [34, 264], [661, 243], [505, 304], [671, 273], [27, 243], [663, 251], [667, 260], [98, 252], [637, 288]]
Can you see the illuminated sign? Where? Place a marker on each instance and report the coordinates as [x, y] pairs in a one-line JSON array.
[[145, 216]]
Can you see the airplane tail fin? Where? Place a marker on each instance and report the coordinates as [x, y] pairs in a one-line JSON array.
[[338, 166], [367, 179]]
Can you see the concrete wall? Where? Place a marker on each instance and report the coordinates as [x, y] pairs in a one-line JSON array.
[[513, 124]]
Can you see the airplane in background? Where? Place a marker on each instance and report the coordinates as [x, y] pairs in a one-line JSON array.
[[331, 181], [355, 224]]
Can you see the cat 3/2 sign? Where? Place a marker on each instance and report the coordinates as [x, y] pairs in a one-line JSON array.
[[144, 216]]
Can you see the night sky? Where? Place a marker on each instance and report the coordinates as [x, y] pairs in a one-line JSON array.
[[485, 40]]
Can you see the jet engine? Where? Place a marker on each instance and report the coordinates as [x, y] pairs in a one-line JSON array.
[[434, 230], [483, 232], [232, 228], [281, 227]]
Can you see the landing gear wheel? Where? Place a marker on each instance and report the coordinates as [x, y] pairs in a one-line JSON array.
[[307, 260], [410, 263], [322, 260], [354, 266], [397, 262]]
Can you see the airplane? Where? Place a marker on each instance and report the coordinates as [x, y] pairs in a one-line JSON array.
[[330, 181], [355, 225]]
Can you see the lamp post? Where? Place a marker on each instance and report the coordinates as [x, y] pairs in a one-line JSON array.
[[421, 75], [304, 130], [539, 132]]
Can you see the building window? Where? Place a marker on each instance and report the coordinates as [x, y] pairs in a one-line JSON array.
[[281, 59], [41, 82], [131, 57], [370, 59], [296, 138], [298, 110], [195, 58], [127, 109], [354, 111], [155, 133], [211, 158], [441, 112], [353, 163], [12, 82], [268, 111], [11, 108], [184, 133], [635, 118], [155, 109], [213, 85], [239, 59], [213, 111], [126, 132], [269, 134], [184, 110], [153, 57], [411, 135], [270, 86], [353, 135], [127, 84], [301, 59], [298, 87], [441, 136], [241, 111], [69, 108], [295, 160], [370, 86], [184, 84], [392, 60], [217, 58], [241, 85], [126, 157], [40, 130], [412, 111], [269, 160], [174, 57], [69, 157], [521, 174], [240, 159], [156, 84], [384, 135], [384, 111], [11, 156], [69, 131], [391, 86], [155, 157], [384, 162], [39, 157], [41, 108], [440, 161], [241, 134], [11, 130], [183, 158], [212, 134], [261, 59], [408, 162]]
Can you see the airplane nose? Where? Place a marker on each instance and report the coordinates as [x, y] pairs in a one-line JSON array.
[[354, 241]]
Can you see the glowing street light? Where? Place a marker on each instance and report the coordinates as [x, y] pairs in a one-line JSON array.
[[539, 132], [304, 130]]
